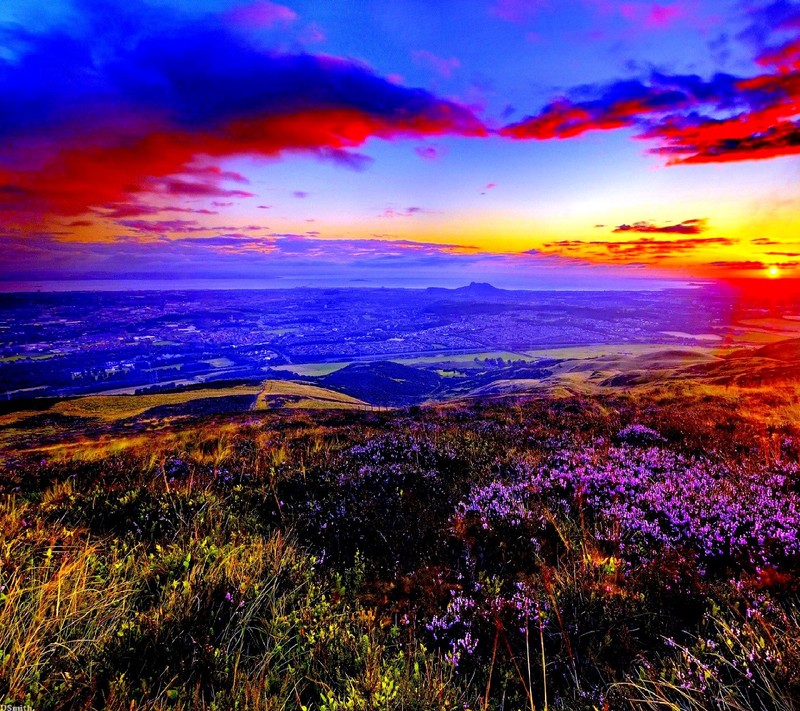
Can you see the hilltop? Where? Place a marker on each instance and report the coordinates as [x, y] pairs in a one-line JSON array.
[[414, 558]]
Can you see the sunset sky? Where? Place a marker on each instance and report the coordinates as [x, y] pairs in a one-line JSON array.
[[530, 143]]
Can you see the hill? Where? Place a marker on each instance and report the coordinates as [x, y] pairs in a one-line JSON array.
[[414, 558], [788, 351], [384, 383]]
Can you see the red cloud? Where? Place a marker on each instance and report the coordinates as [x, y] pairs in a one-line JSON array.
[[123, 210], [634, 250], [112, 167], [154, 113], [786, 57], [738, 265], [691, 120], [619, 108]]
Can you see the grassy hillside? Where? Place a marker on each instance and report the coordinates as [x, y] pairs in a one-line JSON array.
[[281, 393], [575, 551]]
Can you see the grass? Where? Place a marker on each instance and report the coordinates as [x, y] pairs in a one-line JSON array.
[[742, 336], [713, 337], [611, 350], [115, 407], [404, 559], [322, 369], [789, 327], [212, 612], [302, 395]]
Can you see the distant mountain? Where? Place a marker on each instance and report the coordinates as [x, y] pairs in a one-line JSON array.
[[476, 288], [384, 383], [473, 290]]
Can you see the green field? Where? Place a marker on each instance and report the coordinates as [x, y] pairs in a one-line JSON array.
[[14, 359], [312, 370]]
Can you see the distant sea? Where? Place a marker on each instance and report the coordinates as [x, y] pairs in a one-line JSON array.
[[67, 285]]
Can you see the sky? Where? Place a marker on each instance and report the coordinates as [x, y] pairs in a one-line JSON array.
[[528, 143]]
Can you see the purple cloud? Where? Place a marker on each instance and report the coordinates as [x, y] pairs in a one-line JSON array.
[[262, 13], [441, 65]]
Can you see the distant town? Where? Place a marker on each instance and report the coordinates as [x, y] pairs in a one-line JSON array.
[[65, 344]]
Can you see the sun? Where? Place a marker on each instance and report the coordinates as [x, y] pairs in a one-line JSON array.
[[773, 272]]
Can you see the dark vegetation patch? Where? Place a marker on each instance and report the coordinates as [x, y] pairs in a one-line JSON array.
[[384, 383], [201, 407]]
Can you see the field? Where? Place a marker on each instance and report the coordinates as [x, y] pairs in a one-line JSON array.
[[96, 414], [281, 393], [115, 407], [311, 369], [595, 369]]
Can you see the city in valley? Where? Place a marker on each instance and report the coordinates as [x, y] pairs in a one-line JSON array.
[[66, 344]]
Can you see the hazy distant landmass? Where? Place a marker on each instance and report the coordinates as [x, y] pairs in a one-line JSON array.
[[559, 283]]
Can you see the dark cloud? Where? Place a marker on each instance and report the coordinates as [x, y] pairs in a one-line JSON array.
[[94, 115], [347, 159], [191, 188], [403, 212], [687, 227], [430, 152], [767, 19], [689, 118], [632, 250]]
